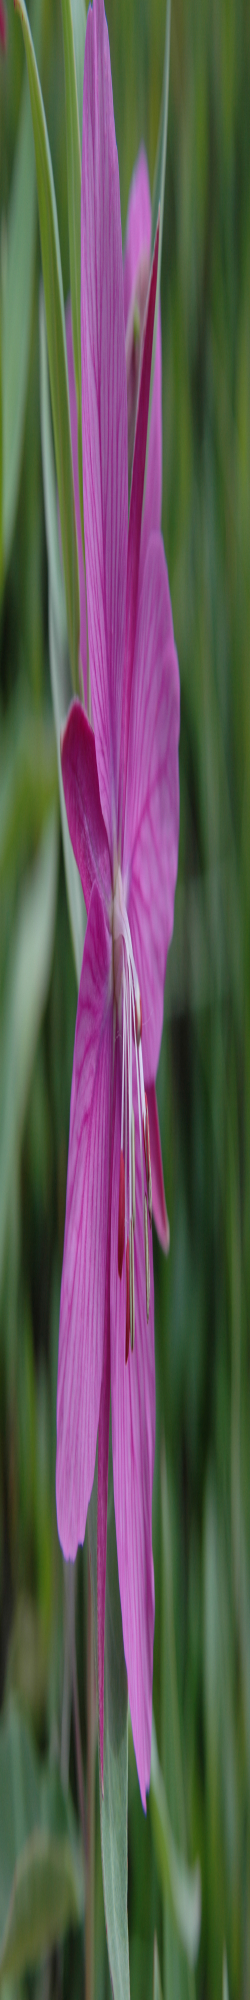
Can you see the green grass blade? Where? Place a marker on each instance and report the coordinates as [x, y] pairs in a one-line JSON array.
[[28, 784], [160, 169], [56, 577], [16, 307], [157, 1992], [26, 988], [55, 319], [181, 1885], [178, 1973], [114, 1805], [41, 1884], [225, 1992], [74, 188], [1, 451], [78, 11], [59, 662], [74, 214]]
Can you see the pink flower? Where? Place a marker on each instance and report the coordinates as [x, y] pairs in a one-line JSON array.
[[121, 789], [136, 272]]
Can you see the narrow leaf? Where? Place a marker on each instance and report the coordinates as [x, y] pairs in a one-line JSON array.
[[28, 782], [25, 994], [157, 1992], [1, 450], [41, 1885], [78, 11], [179, 1973], [59, 670], [17, 304], [55, 319], [114, 1804], [180, 1884], [74, 187], [160, 169], [74, 215], [28, 1657], [59, 662], [225, 1992], [50, 494]]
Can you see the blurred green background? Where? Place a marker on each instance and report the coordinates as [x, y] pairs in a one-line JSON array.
[[201, 1518]]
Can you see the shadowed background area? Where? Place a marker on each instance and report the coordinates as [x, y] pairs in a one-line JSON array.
[[201, 1517]]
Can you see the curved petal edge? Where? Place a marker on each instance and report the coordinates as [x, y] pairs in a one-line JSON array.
[[81, 1330]]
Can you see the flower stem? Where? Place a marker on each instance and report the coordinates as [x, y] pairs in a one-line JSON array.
[[67, 1679], [90, 1885], [78, 1751]]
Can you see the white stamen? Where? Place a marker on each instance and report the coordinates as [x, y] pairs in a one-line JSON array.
[[138, 1016]]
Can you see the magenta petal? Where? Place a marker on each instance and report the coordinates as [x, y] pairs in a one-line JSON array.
[[135, 517], [81, 1331], [133, 1437], [152, 810], [74, 443], [137, 244], [158, 1190], [138, 230], [151, 519], [104, 408], [103, 1464], [83, 807]]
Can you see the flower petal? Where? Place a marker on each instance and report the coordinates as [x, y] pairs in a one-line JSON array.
[[74, 442], [151, 519], [138, 229], [136, 257], [158, 1190], [152, 809], [135, 516], [104, 408], [81, 1331], [137, 261], [133, 1437], [83, 807]]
